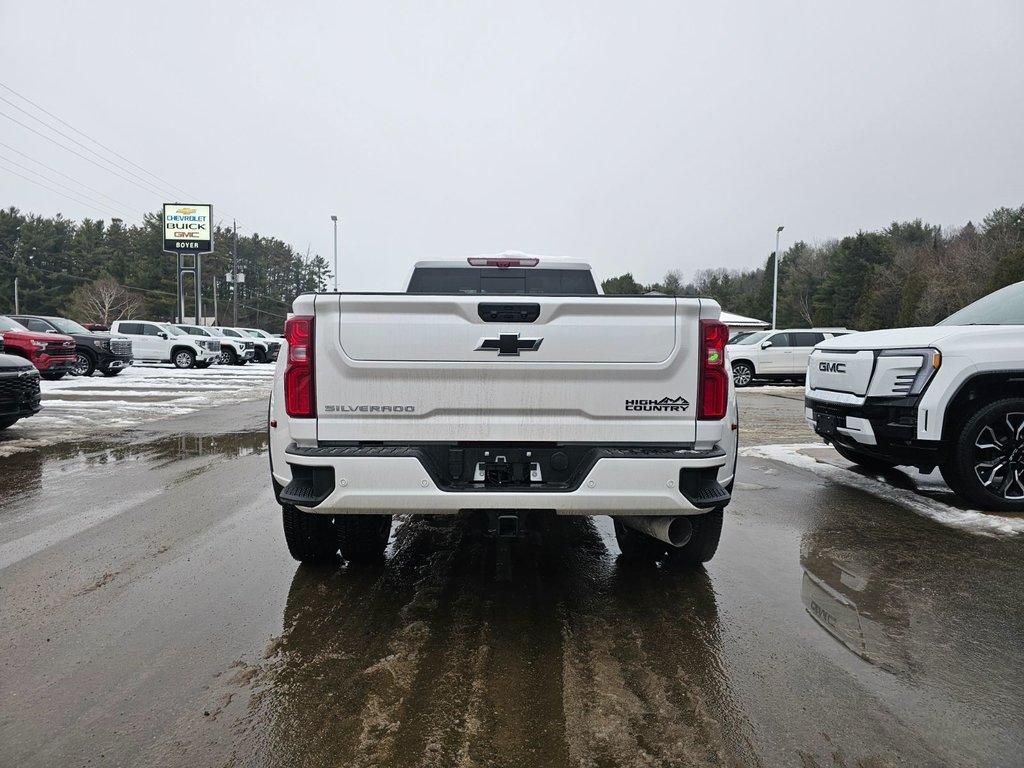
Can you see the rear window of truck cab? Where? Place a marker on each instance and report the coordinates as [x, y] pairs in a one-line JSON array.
[[505, 282]]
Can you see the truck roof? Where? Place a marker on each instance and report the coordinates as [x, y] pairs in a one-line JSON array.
[[512, 257]]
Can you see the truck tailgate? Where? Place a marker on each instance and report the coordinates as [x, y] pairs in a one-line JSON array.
[[414, 368]]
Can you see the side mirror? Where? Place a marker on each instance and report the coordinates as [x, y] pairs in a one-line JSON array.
[[162, 335], [765, 344]]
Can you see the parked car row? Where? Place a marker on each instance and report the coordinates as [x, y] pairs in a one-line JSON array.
[[41, 346], [196, 346], [93, 350]]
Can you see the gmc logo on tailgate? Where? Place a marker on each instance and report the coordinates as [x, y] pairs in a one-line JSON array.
[[826, 367]]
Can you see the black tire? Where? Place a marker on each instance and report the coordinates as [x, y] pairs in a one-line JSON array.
[[986, 459], [50, 376], [703, 543], [742, 373], [261, 356], [112, 371], [868, 462], [204, 364], [638, 547], [183, 358], [5, 423], [310, 537], [362, 538], [84, 365], [228, 356]]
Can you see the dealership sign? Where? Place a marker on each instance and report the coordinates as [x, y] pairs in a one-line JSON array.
[[188, 228]]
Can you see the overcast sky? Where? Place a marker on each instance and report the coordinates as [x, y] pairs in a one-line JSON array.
[[642, 136]]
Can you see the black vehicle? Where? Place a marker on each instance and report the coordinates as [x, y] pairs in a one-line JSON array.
[[19, 388], [93, 350]]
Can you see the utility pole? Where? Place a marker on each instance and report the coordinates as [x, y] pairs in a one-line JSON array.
[[16, 310], [775, 282], [216, 318], [335, 220], [234, 275]]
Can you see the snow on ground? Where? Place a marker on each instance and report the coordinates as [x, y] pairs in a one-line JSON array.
[[804, 456], [75, 405]]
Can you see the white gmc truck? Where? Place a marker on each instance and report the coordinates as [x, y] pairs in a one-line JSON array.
[[949, 396], [504, 386]]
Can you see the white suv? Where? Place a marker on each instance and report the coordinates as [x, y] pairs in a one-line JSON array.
[[232, 351], [779, 354], [163, 343]]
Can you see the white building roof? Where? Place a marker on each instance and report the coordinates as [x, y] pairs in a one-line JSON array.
[[731, 319]]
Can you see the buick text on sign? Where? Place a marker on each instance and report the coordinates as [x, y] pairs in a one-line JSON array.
[[188, 228]]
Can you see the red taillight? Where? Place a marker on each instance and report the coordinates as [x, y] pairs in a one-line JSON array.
[[713, 395], [299, 391], [503, 262]]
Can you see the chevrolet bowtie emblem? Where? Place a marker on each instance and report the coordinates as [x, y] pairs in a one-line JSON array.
[[509, 345]]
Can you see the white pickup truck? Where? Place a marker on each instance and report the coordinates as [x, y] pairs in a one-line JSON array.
[[506, 386], [163, 343], [949, 396]]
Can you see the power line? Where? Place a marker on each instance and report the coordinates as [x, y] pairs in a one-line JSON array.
[[163, 192], [154, 190], [80, 144], [94, 141], [103, 210], [64, 186], [145, 290]]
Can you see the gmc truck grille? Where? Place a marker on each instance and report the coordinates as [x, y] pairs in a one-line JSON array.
[[250, 345], [121, 347], [214, 346]]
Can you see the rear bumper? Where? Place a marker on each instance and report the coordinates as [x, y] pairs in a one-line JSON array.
[[627, 481]]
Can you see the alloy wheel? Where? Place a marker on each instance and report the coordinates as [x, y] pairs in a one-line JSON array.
[[998, 458]]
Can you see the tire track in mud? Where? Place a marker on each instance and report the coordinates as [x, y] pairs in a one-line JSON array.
[[642, 679], [428, 661]]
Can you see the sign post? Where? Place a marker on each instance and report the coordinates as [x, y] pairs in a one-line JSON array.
[[188, 229]]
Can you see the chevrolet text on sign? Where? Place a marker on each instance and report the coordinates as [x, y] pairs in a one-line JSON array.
[[188, 228]]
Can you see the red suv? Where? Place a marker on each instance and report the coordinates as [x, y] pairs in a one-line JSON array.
[[52, 353]]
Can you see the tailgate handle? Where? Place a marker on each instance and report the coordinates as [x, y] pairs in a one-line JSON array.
[[508, 313]]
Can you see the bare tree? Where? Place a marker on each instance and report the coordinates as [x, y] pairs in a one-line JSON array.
[[104, 301]]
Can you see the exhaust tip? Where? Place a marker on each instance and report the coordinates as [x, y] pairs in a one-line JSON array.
[[679, 531]]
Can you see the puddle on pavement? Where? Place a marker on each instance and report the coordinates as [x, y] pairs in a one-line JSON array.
[[428, 657], [22, 472]]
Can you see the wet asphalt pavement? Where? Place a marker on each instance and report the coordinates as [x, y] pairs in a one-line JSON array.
[[150, 615]]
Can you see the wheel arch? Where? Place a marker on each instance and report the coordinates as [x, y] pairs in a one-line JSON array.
[[980, 388], [183, 348]]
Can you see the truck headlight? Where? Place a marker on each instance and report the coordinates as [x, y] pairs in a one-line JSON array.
[[931, 360], [39, 344], [101, 343]]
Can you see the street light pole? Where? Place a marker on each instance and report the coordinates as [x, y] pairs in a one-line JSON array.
[[775, 282], [335, 220]]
